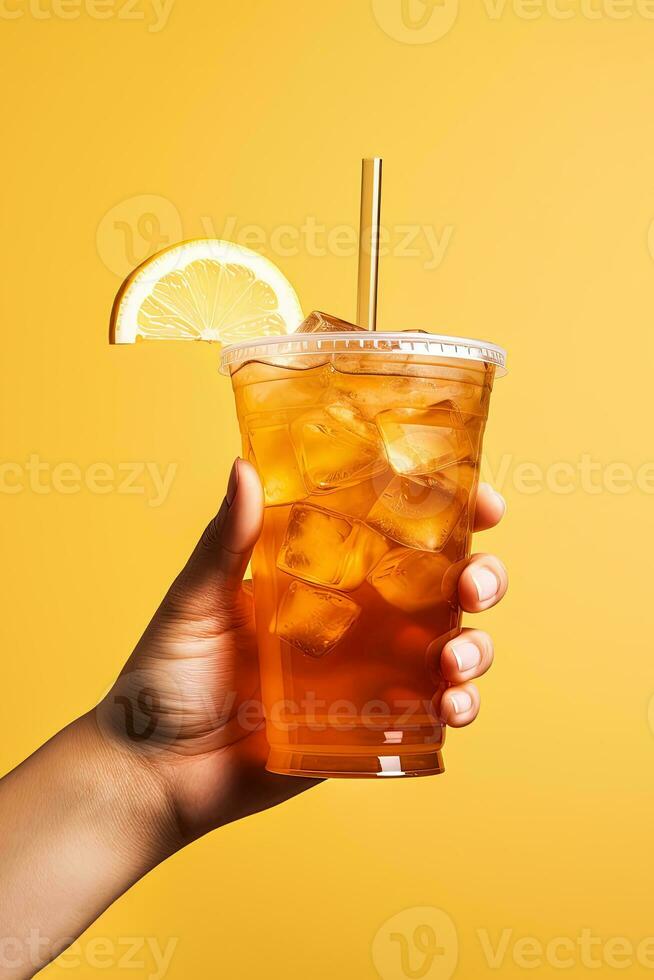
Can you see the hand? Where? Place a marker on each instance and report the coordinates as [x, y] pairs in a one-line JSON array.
[[178, 704], [168, 754]]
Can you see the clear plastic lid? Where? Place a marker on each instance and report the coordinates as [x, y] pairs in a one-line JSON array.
[[363, 342]]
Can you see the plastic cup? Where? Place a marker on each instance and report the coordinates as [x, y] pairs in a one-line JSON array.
[[368, 447]]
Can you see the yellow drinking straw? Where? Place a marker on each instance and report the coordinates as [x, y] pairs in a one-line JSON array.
[[371, 176]]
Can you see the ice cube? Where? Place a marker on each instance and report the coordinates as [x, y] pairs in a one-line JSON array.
[[414, 580], [357, 500], [337, 447], [275, 458], [344, 414], [329, 549], [419, 442], [419, 515], [463, 473], [314, 620], [441, 371], [303, 389], [318, 322], [373, 393], [366, 393]]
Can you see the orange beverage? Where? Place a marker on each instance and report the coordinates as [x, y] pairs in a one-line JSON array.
[[368, 448]]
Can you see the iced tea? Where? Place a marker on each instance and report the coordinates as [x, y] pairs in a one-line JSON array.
[[368, 449]]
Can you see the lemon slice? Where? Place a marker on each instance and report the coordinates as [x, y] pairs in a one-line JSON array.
[[204, 290]]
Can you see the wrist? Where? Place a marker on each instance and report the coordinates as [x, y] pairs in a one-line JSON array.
[[128, 800]]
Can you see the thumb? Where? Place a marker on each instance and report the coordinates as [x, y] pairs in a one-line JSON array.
[[221, 556]]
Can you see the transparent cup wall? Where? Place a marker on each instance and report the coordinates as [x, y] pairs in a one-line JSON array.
[[369, 463]]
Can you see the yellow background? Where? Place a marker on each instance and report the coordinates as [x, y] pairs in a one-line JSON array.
[[530, 138]]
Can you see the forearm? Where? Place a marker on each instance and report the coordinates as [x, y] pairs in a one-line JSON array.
[[80, 822]]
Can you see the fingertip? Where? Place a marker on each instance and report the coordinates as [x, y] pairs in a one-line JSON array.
[[249, 483], [245, 507], [232, 483], [494, 496], [468, 655], [482, 584], [491, 507], [460, 705]]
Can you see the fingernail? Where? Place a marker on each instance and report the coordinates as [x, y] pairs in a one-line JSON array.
[[501, 500], [486, 583], [494, 493], [462, 702], [232, 486], [467, 655]]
